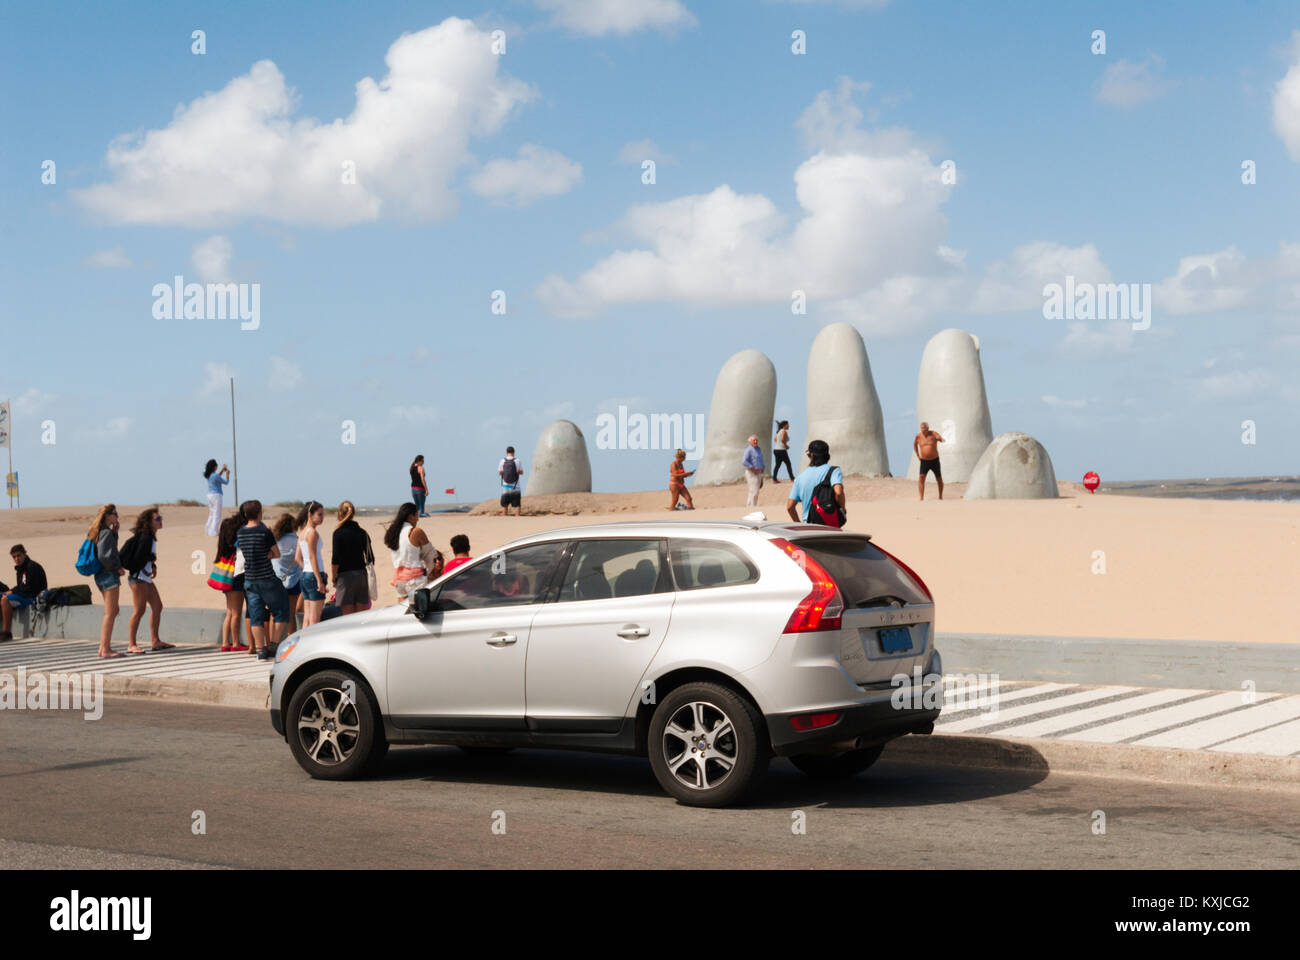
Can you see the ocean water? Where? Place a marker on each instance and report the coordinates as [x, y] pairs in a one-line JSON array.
[[1280, 489]]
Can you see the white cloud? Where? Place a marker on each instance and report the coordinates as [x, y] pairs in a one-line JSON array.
[[1125, 84], [638, 151], [32, 402], [113, 259], [1212, 282], [1054, 401], [243, 152], [116, 428], [868, 247], [595, 18], [1018, 281], [1286, 102], [285, 374], [414, 415], [211, 258], [535, 173], [1235, 384], [1096, 338], [216, 380]]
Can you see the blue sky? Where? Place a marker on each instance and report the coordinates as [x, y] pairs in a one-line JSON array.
[[522, 173]]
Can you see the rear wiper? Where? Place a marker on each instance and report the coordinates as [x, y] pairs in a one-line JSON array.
[[888, 600]]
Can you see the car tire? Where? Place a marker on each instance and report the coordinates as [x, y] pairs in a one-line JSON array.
[[837, 766], [332, 737], [729, 766]]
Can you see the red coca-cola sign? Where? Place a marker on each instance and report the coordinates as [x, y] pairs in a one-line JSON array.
[[1091, 480]]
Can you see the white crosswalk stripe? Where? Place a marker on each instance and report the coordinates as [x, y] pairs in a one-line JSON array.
[[1198, 736], [1078, 718], [1281, 740], [985, 719], [1175, 716]]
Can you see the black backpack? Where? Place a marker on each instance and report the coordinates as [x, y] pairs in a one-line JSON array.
[[133, 555], [510, 471], [825, 509]]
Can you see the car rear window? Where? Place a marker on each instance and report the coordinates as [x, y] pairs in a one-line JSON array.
[[700, 564], [865, 576]]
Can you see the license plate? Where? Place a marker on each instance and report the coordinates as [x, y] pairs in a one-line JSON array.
[[895, 639]]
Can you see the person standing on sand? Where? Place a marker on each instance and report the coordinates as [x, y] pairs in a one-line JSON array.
[[142, 564], [819, 469], [314, 579], [677, 474], [216, 480], [754, 470], [510, 470], [926, 448], [408, 542], [781, 450], [103, 531], [419, 485], [31, 583]]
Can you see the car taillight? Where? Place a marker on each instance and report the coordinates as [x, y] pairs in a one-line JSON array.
[[907, 570], [813, 721], [823, 607]]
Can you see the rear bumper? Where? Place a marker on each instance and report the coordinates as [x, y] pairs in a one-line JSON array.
[[859, 725]]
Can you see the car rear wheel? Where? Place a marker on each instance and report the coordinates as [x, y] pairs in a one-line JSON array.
[[837, 766], [707, 745], [334, 729]]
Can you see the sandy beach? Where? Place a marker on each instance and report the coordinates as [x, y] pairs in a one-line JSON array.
[[1174, 568]]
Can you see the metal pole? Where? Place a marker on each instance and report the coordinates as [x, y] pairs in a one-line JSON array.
[[233, 441]]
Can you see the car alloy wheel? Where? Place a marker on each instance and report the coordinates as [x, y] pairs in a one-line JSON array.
[[329, 726], [699, 745]]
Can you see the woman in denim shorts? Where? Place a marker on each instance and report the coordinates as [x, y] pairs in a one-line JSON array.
[[103, 533]]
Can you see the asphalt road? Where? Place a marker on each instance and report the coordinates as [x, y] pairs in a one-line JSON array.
[[121, 792]]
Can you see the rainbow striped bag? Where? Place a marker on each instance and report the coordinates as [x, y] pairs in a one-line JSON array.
[[222, 576]]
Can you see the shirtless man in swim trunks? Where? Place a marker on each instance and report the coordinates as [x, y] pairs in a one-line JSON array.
[[926, 447]]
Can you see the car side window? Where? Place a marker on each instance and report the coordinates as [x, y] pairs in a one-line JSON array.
[[699, 564], [512, 578], [606, 568]]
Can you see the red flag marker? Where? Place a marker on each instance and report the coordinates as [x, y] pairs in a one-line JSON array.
[[450, 490]]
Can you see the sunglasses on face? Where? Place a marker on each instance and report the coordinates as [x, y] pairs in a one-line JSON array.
[[157, 519]]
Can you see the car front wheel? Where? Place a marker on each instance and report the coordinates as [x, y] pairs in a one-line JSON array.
[[707, 745], [334, 729]]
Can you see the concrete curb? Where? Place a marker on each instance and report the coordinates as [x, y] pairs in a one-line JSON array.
[[220, 693], [1121, 761]]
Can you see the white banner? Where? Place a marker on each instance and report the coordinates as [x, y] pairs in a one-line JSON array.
[[4, 424]]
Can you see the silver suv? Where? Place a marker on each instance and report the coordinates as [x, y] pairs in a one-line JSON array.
[[707, 646]]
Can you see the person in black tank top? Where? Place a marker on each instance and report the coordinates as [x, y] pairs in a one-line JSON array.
[[419, 488]]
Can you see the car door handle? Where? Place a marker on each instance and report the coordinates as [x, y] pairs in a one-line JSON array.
[[502, 640], [633, 632]]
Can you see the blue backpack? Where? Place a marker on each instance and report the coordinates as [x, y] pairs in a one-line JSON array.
[[88, 559]]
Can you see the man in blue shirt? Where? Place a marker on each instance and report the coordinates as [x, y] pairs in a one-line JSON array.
[[819, 464], [754, 470]]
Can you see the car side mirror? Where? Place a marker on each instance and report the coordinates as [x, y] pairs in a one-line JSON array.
[[423, 603]]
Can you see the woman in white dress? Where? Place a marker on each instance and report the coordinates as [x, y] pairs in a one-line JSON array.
[[216, 480]]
